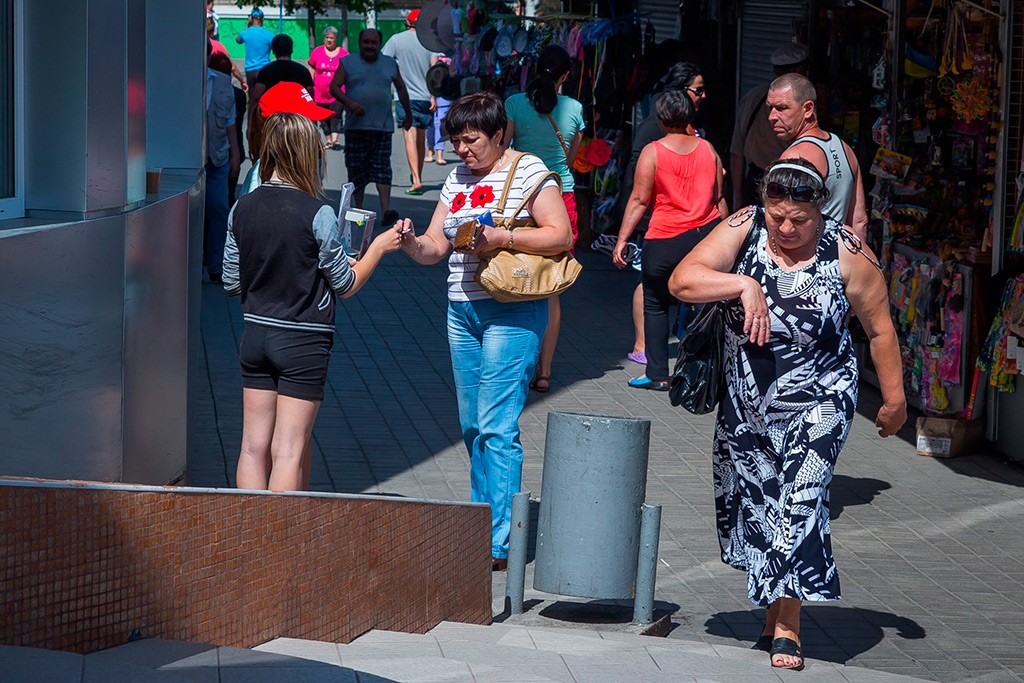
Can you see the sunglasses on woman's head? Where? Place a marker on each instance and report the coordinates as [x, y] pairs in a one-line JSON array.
[[800, 193]]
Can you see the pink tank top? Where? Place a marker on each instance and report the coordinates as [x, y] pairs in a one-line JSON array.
[[684, 190]]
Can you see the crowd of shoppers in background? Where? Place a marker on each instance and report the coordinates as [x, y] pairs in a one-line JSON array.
[[796, 235]]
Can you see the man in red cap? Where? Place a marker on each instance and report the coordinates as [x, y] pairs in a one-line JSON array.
[[413, 61]]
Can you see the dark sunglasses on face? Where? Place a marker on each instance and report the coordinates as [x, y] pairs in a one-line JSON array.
[[800, 193], [698, 91]]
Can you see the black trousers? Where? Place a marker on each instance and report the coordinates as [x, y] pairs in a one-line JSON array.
[[657, 261]]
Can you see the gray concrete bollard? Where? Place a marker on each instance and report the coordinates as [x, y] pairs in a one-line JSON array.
[[519, 538], [594, 482], [647, 565]]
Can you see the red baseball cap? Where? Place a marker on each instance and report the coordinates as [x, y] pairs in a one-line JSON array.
[[413, 16], [292, 98]]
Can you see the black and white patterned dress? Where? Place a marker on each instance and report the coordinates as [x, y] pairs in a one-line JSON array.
[[784, 418]]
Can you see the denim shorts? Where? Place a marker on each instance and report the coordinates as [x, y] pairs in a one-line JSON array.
[[422, 117], [291, 362]]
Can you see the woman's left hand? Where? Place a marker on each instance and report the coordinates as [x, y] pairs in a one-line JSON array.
[[491, 239], [756, 320], [890, 419]]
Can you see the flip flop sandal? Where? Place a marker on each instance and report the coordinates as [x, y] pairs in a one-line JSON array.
[[415, 191], [641, 358], [787, 646], [535, 384], [441, 162]]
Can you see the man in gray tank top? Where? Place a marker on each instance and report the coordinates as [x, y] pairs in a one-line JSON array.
[[794, 117], [367, 78]]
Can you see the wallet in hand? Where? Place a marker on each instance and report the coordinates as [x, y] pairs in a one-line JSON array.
[[467, 233]]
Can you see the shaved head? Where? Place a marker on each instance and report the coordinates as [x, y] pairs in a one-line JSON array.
[[801, 87]]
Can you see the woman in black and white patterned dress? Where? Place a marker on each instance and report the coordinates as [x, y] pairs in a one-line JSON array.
[[791, 379]]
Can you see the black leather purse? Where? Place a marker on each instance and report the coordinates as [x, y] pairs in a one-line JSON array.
[[698, 377]]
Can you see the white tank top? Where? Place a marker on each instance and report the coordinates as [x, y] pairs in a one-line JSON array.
[[839, 178]]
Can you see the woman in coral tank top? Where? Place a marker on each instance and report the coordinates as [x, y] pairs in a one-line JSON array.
[[683, 174]]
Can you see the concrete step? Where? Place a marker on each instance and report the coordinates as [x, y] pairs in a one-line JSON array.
[[454, 653]]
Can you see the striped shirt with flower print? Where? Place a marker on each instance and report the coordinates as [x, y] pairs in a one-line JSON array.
[[468, 196]]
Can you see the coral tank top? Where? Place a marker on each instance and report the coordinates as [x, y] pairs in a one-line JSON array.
[[684, 190]]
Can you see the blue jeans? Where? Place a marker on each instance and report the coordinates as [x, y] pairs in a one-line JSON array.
[[494, 349], [216, 217]]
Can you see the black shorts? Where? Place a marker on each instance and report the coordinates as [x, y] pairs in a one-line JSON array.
[[290, 362], [422, 117], [368, 157]]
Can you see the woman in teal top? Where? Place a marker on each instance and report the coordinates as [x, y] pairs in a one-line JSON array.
[[549, 125]]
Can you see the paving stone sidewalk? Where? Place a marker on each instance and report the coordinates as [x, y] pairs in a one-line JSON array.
[[930, 552], [452, 653]]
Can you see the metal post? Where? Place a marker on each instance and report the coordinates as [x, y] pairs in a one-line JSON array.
[[647, 564], [519, 535]]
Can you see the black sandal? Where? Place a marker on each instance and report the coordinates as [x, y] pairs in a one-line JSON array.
[[536, 385], [764, 642], [787, 646]]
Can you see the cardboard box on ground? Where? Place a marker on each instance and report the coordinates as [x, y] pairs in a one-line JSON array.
[[944, 437]]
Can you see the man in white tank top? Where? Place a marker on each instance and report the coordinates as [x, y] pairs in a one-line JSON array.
[[794, 117]]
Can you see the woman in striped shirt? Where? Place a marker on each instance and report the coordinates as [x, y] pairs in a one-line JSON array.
[[494, 345]]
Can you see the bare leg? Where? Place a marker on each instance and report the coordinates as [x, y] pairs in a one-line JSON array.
[[542, 376], [415, 139], [357, 196], [307, 461], [295, 418], [770, 619], [787, 625], [259, 413], [639, 343], [384, 192]]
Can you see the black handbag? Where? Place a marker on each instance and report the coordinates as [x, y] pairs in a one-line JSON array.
[[698, 377]]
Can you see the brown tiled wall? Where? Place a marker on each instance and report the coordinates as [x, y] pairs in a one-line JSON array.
[[82, 568]]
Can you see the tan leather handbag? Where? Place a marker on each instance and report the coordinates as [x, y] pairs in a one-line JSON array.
[[509, 275]]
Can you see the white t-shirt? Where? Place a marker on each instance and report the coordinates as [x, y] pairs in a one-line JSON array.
[[462, 190]]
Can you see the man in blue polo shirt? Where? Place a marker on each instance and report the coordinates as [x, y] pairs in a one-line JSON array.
[[257, 46]]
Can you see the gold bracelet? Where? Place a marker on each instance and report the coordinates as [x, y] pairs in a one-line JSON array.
[[509, 237]]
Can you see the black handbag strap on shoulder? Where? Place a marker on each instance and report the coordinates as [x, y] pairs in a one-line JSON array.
[[748, 242]]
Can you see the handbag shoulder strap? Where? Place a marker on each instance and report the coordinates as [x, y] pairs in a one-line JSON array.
[[749, 240], [510, 177], [561, 138], [536, 188]]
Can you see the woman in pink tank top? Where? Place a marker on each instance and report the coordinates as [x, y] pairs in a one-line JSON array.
[[683, 174]]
